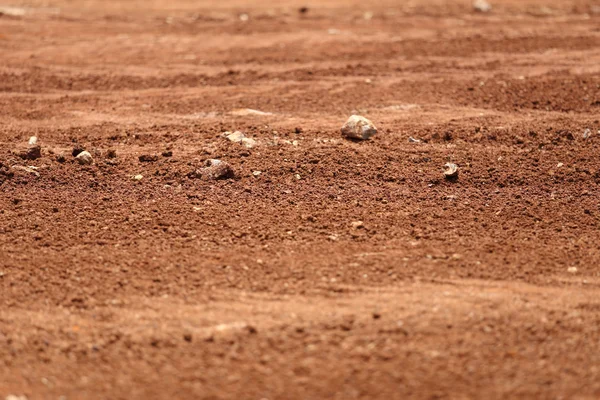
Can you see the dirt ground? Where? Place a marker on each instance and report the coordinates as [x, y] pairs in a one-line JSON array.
[[326, 268]]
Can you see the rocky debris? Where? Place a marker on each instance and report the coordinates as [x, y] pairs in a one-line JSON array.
[[239, 137], [61, 158], [358, 224], [12, 11], [235, 137], [358, 127], [482, 6], [33, 151], [413, 140], [148, 158], [167, 153], [451, 171], [249, 143], [15, 397], [24, 171], [77, 150], [85, 158], [248, 111], [215, 169], [111, 153]]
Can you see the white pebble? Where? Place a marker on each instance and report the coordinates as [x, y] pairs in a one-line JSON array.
[[235, 137], [358, 127], [357, 224], [85, 158], [249, 143], [451, 170], [15, 397], [587, 133], [482, 6], [25, 170]]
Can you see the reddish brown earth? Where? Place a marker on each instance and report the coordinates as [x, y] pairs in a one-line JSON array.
[[260, 286]]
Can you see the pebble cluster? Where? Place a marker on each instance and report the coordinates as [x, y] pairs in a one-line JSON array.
[[357, 128]]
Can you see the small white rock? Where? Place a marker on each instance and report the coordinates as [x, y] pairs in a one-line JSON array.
[[26, 170], [249, 111], [249, 143], [239, 137], [587, 133], [215, 169], [572, 270], [15, 397], [357, 224], [482, 6], [13, 11], [235, 137], [358, 127], [451, 170], [256, 173], [138, 177], [33, 140], [85, 158]]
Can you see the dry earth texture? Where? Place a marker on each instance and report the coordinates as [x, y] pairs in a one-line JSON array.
[[324, 267]]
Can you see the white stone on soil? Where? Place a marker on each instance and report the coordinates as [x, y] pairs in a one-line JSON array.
[[482, 6], [249, 143], [85, 158], [358, 127], [235, 137]]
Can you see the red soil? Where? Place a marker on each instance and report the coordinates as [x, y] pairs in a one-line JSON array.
[[261, 286]]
